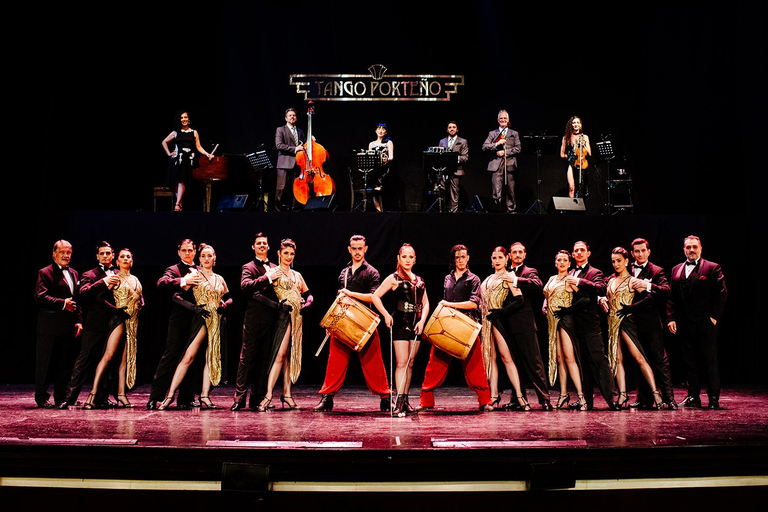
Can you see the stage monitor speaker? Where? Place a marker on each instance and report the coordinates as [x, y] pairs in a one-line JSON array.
[[567, 205], [475, 205], [232, 202], [319, 202]]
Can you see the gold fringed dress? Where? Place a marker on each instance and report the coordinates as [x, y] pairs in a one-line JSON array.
[[618, 297], [558, 296], [288, 289], [209, 294], [128, 295], [493, 293]]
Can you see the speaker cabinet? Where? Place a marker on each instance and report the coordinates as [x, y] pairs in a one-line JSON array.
[[567, 205]]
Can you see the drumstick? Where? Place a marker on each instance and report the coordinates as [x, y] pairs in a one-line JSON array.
[[327, 334]]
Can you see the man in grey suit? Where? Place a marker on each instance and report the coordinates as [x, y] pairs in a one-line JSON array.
[[288, 141], [454, 143], [503, 144]]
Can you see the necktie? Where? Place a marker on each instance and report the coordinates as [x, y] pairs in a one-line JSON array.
[[450, 143], [295, 135]]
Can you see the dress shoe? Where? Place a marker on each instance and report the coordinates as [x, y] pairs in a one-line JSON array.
[[151, 405], [63, 406], [691, 401], [237, 407], [423, 408], [184, 406], [325, 404], [546, 405], [486, 408], [104, 404], [46, 405], [672, 405], [385, 405], [714, 401], [194, 403]]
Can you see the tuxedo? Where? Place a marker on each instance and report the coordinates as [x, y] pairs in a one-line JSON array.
[[499, 164], [258, 324], [461, 147], [650, 330], [55, 342], [98, 305], [286, 156], [180, 322], [597, 370], [694, 301], [522, 331]]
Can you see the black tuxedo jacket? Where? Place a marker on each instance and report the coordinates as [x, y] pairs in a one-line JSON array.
[[522, 319], [699, 297], [652, 306], [253, 280], [591, 285], [51, 290], [96, 300]]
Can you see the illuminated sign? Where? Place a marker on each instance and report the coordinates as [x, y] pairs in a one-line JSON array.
[[377, 86]]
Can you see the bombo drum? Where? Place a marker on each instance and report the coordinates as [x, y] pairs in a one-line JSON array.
[[350, 322], [452, 331]]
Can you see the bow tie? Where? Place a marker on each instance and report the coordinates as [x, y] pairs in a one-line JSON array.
[[578, 268], [65, 268], [636, 265], [692, 263], [105, 268], [263, 262]]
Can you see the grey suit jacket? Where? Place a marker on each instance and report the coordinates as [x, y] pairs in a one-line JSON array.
[[462, 148], [511, 148], [286, 146]]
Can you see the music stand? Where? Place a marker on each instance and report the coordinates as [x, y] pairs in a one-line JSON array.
[[259, 163], [606, 154], [439, 161], [366, 162], [537, 206]]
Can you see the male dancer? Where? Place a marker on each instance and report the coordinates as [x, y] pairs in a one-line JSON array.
[[178, 278], [358, 280], [649, 323], [259, 320], [461, 290], [97, 310]]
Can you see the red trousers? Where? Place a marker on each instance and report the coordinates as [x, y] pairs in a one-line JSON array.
[[437, 370], [370, 360]]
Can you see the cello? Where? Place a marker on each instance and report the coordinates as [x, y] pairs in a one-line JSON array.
[[313, 180]]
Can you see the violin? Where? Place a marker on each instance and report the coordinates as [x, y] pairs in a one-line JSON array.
[[577, 155], [313, 180]]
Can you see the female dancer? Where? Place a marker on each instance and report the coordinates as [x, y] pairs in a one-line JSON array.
[[407, 323], [290, 289], [495, 290], [183, 155], [383, 144], [563, 353], [210, 306], [123, 326], [622, 332], [575, 148]]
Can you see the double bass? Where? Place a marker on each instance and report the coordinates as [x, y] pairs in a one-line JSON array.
[[313, 180]]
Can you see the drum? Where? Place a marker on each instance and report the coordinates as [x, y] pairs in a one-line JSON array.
[[350, 322], [452, 331]]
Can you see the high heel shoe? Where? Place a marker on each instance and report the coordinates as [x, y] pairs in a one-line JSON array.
[[284, 400], [562, 401], [205, 403], [409, 409], [495, 401], [658, 403], [523, 404], [623, 402], [89, 402], [264, 404], [399, 410], [165, 404], [122, 402], [581, 404]]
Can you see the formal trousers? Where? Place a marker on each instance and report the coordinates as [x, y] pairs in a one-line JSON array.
[[91, 350], [53, 364], [698, 340], [437, 370], [371, 363], [499, 189], [166, 368], [656, 355], [526, 345], [253, 368], [597, 370]]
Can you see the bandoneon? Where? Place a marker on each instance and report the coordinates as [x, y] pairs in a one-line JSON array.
[[452, 331], [350, 322]]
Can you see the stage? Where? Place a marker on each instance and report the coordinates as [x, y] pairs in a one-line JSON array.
[[357, 452]]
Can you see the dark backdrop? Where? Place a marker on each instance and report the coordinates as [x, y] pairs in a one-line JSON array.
[[678, 90]]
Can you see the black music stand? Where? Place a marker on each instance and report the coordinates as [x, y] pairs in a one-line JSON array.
[[606, 154], [439, 162], [259, 163], [366, 162]]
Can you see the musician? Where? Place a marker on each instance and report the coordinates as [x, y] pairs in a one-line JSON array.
[[454, 143], [461, 291], [358, 280], [693, 312], [289, 140], [502, 145], [178, 278], [576, 149], [648, 319], [261, 312], [407, 322], [522, 324], [184, 155], [385, 145], [590, 283], [98, 308], [59, 323]]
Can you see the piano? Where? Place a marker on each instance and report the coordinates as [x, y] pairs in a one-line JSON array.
[[232, 167]]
